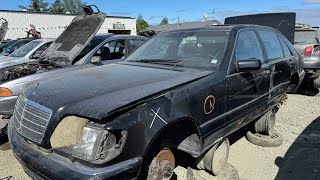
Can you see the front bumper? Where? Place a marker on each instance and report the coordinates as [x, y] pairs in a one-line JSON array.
[[41, 165], [7, 105]]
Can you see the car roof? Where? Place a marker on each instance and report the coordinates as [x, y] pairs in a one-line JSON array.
[[45, 40], [128, 36], [222, 28]]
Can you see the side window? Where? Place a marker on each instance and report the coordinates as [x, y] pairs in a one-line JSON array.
[[111, 50], [247, 46], [134, 44], [41, 49], [286, 50], [271, 44]]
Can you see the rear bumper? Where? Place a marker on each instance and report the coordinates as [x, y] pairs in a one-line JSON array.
[[312, 62], [7, 105], [40, 165]]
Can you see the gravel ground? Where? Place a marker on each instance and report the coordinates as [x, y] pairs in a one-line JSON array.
[[298, 158]]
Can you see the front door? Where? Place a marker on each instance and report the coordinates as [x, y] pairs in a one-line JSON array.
[[247, 91]]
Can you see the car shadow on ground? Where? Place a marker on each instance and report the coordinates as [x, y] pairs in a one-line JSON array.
[[4, 144], [302, 160]]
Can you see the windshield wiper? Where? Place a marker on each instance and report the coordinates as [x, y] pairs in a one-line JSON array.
[[174, 62]]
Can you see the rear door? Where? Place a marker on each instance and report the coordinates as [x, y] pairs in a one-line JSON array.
[[279, 64], [247, 92]]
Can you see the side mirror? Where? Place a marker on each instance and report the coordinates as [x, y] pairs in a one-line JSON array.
[[95, 59], [250, 64]]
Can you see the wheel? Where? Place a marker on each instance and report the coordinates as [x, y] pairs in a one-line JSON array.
[[265, 125], [216, 158], [316, 82], [229, 173], [162, 166], [273, 140], [291, 88]]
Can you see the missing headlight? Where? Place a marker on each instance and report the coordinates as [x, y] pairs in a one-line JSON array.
[[82, 139]]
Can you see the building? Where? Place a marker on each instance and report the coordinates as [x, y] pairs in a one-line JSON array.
[[165, 27], [51, 25]]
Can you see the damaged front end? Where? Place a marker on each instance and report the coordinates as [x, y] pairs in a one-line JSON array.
[[62, 52], [18, 71]]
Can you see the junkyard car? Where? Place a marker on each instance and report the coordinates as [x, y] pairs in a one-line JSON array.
[[13, 45], [25, 54], [111, 49], [183, 90], [307, 40]]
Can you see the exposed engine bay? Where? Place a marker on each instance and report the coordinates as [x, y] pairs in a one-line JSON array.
[[64, 50], [22, 70]]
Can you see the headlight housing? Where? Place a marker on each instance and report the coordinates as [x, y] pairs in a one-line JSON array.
[[5, 92], [87, 141]]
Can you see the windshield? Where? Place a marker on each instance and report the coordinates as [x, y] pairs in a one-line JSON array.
[[306, 37], [200, 49], [25, 49]]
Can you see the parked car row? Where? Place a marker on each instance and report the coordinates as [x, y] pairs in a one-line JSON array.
[[77, 111]]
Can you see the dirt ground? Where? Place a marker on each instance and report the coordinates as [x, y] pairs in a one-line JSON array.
[[298, 158]]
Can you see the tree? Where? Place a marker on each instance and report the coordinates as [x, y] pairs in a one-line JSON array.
[[73, 6], [141, 24], [57, 7], [36, 5], [165, 20]]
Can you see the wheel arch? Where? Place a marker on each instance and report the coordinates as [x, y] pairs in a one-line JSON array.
[[183, 134]]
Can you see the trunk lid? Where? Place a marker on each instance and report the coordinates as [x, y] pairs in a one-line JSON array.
[[284, 22]]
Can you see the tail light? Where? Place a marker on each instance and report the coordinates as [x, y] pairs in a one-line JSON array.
[[308, 50]]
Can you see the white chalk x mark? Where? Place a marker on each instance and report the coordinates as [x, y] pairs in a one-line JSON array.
[[156, 115]]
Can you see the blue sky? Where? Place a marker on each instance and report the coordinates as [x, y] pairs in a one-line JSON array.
[[308, 11]]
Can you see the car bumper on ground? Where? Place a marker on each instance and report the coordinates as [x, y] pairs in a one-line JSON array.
[[7, 105], [41, 165]]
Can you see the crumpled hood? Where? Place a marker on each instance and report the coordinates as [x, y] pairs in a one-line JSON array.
[[73, 39], [94, 92]]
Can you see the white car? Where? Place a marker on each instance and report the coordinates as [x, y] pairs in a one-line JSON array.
[[26, 53]]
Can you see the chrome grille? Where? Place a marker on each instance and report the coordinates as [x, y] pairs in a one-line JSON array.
[[31, 119]]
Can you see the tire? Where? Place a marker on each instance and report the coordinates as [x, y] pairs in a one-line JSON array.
[[216, 158], [291, 88], [316, 82], [274, 140], [229, 173]]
